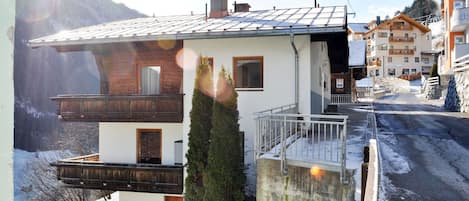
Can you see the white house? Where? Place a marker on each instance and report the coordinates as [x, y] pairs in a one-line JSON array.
[[147, 68]]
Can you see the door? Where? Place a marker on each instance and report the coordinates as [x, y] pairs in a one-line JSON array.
[[172, 198], [149, 146]]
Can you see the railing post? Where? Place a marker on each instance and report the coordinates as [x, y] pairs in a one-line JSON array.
[[283, 153], [344, 153]]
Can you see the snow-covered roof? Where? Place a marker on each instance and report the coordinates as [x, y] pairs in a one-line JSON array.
[[357, 53], [365, 82], [358, 27], [242, 24]]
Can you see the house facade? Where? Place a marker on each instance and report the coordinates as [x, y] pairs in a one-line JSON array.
[[357, 31], [147, 71], [398, 47]]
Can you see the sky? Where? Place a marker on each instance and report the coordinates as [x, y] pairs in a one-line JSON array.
[[366, 10]]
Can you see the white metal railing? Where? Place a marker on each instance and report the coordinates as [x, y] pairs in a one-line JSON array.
[[315, 139], [461, 63], [284, 109], [341, 99], [365, 92]]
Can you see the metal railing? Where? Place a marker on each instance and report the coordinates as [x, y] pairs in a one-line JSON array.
[[284, 109], [339, 99], [461, 63], [314, 139], [365, 92]]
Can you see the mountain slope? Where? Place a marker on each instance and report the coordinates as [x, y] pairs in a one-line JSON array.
[[42, 73]]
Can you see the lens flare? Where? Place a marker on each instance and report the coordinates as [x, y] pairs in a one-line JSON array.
[[167, 44], [316, 172], [186, 58]]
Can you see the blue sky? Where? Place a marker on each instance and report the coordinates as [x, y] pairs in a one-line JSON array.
[[366, 10]]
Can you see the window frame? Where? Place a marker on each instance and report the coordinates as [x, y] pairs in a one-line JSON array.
[[235, 72], [141, 66], [406, 59]]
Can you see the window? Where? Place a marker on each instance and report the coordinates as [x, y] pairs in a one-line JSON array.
[[458, 4], [459, 39], [413, 71], [406, 47], [391, 71], [149, 146], [339, 83], [425, 60], [428, 36], [382, 47], [248, 72], [377, 72], [406, 35], [415, 35], [406, 59], [417, 59], [391, 34], [405, 71], [389, 59], [150, 80], [382, 34]]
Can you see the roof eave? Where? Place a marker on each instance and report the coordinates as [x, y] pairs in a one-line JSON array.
[[190, 36]]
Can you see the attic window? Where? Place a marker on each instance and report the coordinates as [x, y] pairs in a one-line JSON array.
[[248, 72]]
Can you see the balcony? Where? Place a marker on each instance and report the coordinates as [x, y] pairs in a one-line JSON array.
[[460, 19], [89, 173], [401, 51], [401, 39], [374, 63], [461, 50], [401, 27], [131, 108]]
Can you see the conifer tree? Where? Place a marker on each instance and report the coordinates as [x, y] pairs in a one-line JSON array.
[[224, 180], [199, 134]]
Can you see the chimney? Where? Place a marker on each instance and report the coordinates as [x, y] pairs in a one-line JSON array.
[[378, 20], [218, 8], [242, 7]]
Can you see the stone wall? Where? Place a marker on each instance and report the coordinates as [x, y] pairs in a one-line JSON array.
[[299, 184], [457, 98]]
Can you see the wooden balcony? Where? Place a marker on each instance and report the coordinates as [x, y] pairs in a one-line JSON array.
[[401, 39], [89, 173], [400, 27], [401, 51], [131, 108], [375, 63]]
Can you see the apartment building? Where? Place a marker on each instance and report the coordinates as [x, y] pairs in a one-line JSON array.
[[398, 46], [147, 69], [455, 59]]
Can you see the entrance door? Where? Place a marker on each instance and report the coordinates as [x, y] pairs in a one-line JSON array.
[[149, 146]]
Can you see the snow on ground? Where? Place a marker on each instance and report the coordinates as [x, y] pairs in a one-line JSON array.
[[365, 82], [28, 166]]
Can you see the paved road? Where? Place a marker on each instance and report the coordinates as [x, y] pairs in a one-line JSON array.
[[424, 150]]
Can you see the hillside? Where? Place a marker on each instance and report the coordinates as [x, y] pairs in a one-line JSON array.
[[421, 8], [42, 73]]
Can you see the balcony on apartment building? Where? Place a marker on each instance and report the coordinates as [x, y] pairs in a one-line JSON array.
[[401, 39], [460, 19], [374, 63], [461, 50], [89, 172], [120, 108], [401, 26], [401, 51]]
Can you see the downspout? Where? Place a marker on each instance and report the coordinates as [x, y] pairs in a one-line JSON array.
[[297, 66]]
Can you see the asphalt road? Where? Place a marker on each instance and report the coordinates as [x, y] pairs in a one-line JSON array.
[[424, 150]]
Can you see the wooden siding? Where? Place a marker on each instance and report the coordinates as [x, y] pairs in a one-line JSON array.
[[120, 64], [151, 178], [130, 108]]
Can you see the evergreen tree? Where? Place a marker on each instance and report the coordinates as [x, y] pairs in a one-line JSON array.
[[199, 134], [225, 179]]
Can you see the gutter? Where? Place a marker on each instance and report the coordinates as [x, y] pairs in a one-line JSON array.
[[297, 66]]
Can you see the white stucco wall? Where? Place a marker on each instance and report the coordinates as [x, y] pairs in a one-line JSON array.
[[118, 141], [320, 66], [278, 78], [137, 196], [7, 22]]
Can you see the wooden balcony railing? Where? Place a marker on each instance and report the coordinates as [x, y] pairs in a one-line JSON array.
[[131, 108], [400, 27], [89, 173], [401, 51], [375, 63], [401, 39]]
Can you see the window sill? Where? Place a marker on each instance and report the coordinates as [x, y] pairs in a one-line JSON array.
[[249, 89]]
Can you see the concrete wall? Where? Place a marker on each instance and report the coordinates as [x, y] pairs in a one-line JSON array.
[[7, 31], [118, 141], [299, 184], [278, 78]]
